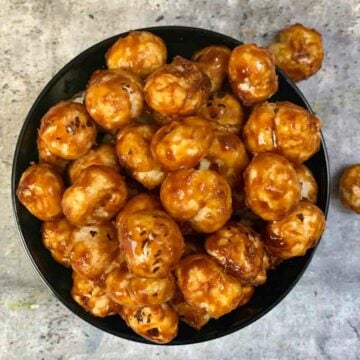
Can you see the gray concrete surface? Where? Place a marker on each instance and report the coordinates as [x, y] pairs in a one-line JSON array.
[[320, 317]]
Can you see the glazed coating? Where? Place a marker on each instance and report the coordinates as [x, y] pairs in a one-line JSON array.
[[191, 315], [201, 197], [239, 250], [140, 51], [205, 285], [299, 51], [309, 187], [252, 74], [181, 144], [349, 189], [139, 202], [128, 289], [67, 130], [96, 196], [40, 190], [179, 88], [283, 128], [101, 155], [94, 250], [56, 236], [213, 61], [149, 179], [247, 293], [152, 242], [157, 323], [228, 157], [114, 98], [92, 297], [224, 112], [295, 233], [272, 188], [45, 156], [133, 151]]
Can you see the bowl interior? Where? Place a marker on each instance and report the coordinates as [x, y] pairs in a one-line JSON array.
[[72, 79]]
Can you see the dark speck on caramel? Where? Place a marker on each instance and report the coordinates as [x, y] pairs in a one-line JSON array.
[[153, 332], [144, 243], [77, 121], [300, 217], [93, 233], [148, 319], [139, 315]]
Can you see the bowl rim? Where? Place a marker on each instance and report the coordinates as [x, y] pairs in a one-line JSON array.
[[132, 336]]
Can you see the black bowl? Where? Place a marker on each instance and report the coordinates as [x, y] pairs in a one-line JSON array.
[[72, 79]]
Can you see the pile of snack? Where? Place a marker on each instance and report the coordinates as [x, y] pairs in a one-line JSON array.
[[137, 185]]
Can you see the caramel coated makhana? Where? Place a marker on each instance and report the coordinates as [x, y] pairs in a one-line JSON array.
[[138, 183]]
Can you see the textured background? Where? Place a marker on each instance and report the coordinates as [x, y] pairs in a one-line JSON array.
[[319, 319]]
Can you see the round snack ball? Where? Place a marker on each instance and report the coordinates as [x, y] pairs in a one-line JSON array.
[[56, 236], [67, 130], [92, 297], [181, 144], [114, 98], [213, 61], [201, 197], [297, 232], [103, 154], [224, 112], [205, 286], [152, 243], [126, 288], [252, 74], [283, 128], [272, 188], [177, 89], [133, 151], [95, 197], [40, 190], [45, 156], [299, 51], [227, 156], [349, 189], [139, 202], [190, 315], [309, 187], [95, 248], [157, 323], [140, 51], [239, 250]]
